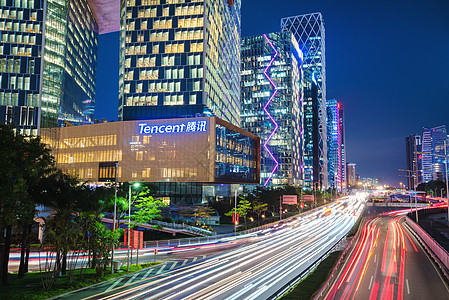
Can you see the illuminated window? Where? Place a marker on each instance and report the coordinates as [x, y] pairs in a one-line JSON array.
[[139, 155]]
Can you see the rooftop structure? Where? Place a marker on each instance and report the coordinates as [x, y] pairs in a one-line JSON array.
[[107, 15]]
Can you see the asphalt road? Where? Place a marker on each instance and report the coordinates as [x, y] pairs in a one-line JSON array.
[[388, 263], [252, 271]]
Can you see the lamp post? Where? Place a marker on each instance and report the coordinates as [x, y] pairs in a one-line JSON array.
[[114, 218], [447, 193], [136, 185]]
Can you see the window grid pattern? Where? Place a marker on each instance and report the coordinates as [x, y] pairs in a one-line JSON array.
[[309, 32], [285, 108], [189, 68], [68, 64], [20, 47]]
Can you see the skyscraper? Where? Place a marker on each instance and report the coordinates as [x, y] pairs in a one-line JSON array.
[[351, 174], [413, 144], [48, 55], [179, 58], [309, 32], [271, 104], [433, 143], [336, 145]]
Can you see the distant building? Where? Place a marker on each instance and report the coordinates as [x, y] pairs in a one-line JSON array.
[[433, 143], [48, 59], [309, 32], [271, 104], [370, 182], [352, 174], [336, 145], [179, 59], [413, 144]]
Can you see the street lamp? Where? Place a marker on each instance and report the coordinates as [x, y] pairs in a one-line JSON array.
[[136, 185]]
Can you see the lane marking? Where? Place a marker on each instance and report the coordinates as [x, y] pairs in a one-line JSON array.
[[174, 265], [147, 273], [370, 283], [194, 259], [161, 269], [114, 284], [408, 288], [184, 262], [375, 257], [131, 279]]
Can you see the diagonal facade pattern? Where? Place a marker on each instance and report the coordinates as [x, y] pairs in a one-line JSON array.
[[309, 31]]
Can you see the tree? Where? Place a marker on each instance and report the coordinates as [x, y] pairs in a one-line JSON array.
[[433, 186], [203, 212], [22, 161], [258, 209], [243, 207], [147, 207]]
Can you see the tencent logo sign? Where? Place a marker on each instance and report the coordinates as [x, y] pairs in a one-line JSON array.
[[186, 127]]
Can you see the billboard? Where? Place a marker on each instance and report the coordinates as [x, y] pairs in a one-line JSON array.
[[308, 198], [136, 238], [289, 199], [234, 219]]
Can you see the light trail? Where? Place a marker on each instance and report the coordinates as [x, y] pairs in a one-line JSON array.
[[253, 271], [390, 282]]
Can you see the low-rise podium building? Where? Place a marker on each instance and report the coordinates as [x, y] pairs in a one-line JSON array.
[[188, 158]]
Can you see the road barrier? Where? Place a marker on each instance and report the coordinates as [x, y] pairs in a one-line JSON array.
[[213, 239], [438, 252], [349, 248]]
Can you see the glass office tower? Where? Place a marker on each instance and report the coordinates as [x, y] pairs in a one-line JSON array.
[[413, 144], [309, 32], [271, 104], [336, 145], [47, 63], [433, 143], [179, 58]]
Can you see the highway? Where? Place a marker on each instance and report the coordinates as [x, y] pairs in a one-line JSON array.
[[388, 263], [252, 271]]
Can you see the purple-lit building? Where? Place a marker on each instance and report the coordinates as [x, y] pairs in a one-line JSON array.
[[271, 104], [336, 145]]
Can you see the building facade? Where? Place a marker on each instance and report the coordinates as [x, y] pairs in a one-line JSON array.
[[413, 144], [271, 104], [433, 142], [186, 158], [309, 32], [336, 145], [47, 63], [351, 174], [179, 58]]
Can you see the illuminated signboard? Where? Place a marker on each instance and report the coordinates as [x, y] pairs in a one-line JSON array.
[[187, 127]]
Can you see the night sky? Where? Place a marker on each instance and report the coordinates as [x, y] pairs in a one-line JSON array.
[[386, 61]]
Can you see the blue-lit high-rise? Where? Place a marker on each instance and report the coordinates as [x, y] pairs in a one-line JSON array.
[[179, 58], [309, 32], [48, 55], [433, 143], [271, 104], [336, 145]]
